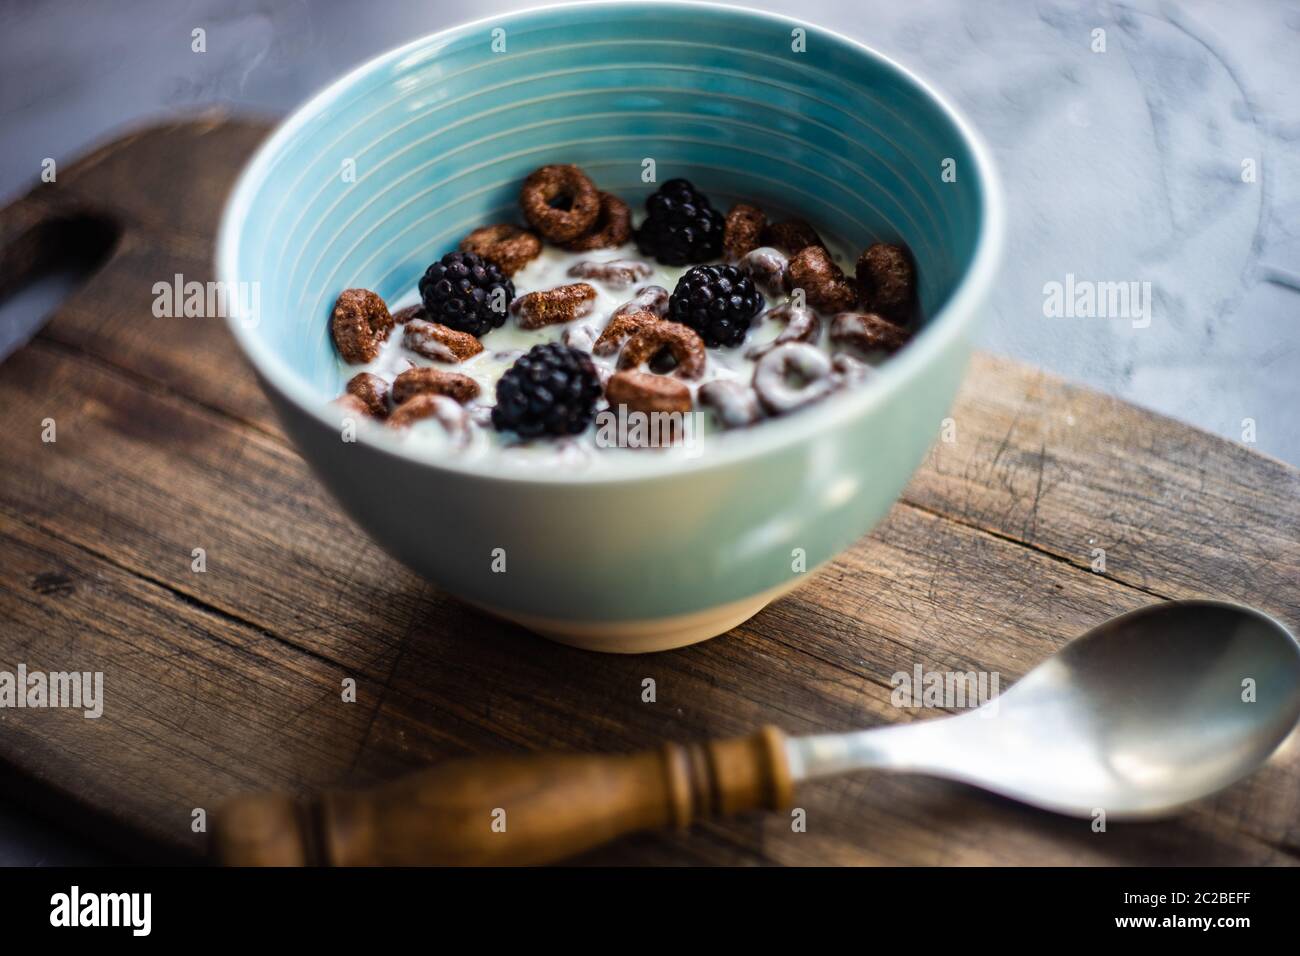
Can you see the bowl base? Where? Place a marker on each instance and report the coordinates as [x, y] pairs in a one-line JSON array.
[[646, 635]]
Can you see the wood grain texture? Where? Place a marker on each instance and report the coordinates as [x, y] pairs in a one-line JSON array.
[[230, 680]]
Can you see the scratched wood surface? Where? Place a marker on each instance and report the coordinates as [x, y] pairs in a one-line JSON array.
[[229, 680]]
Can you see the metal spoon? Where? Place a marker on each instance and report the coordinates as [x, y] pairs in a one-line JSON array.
[[1142, 714]]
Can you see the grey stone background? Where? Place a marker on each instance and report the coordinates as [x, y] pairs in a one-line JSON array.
[[1119, 166]]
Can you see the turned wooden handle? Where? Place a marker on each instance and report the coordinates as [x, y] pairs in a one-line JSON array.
[[507, 810]]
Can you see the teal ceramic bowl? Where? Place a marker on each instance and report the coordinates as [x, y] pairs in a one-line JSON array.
[[660, 551]]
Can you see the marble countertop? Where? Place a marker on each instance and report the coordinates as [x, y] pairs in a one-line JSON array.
[[1159, 151]]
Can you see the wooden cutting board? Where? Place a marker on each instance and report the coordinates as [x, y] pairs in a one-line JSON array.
[[231, 679]]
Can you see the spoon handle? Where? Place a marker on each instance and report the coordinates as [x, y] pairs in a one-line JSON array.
[[508, 810]]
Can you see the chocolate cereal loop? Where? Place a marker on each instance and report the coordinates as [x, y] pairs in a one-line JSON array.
[[648, 393], [622, 327], [360, 323], [774, 371], [683, 342], [373, 392], [868, 332], [553, 306], [560, 202], [433, 381], [510, 247], [825, 286], [454, 419], [887, 281], [743, 232], [438, 342], [612, 228]]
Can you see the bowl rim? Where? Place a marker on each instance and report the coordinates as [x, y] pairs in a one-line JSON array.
[[947, 324]]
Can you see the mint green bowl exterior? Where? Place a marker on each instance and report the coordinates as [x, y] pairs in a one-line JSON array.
[[442, 132]]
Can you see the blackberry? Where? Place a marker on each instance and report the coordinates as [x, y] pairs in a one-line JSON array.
[[719, 302], [682, 227], [552, 390], [460, 290]]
